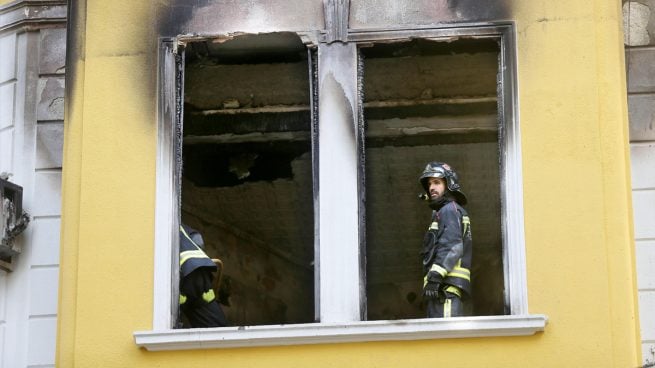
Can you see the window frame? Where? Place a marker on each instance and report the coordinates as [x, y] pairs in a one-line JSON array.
[[342, 326]]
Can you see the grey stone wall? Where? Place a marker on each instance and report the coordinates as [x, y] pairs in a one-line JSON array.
[[31, 141], [639, 24]]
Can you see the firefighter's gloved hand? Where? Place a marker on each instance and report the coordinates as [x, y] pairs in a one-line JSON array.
[[431, 290]]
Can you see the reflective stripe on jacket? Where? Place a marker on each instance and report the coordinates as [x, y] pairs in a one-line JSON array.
[[191, 255]]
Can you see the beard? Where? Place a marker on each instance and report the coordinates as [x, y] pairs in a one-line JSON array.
[[436, 195], [439, 201]]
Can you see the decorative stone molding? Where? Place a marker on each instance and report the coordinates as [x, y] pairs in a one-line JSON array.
[[32, 14]]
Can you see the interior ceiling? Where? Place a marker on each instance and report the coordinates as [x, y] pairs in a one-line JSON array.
[[248, 49]]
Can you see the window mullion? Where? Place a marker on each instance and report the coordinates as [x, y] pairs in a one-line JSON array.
[[166, 203], [341, 273]]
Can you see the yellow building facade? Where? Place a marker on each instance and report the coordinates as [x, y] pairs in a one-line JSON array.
[[569, 232]]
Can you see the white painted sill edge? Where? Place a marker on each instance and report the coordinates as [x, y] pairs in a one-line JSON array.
[[323, 333]]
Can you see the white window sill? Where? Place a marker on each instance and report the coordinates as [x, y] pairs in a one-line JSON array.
[[322, 333]]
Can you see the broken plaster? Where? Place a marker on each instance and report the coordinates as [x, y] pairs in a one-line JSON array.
[[635, 23], [308, 38]]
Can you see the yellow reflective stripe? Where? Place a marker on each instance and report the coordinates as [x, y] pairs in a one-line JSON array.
[[182, 299], [208, 296], [184, 256], [460, 275], [187, 235], [434, 226], [442, 271], [467, 223], [461, 272], [425, 280], [447, 307], [455, 290]]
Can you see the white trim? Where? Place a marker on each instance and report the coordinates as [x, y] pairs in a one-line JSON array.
[[512, 177], [323, 333], [340, 274], [164, 204]]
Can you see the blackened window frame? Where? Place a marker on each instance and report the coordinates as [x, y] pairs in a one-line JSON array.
[[516, 322], [511, 177], [168, 212]]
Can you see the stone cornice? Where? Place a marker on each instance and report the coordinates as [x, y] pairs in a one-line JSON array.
[[32, 14]]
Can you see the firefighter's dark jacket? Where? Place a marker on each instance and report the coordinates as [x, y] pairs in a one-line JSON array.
[[447, 247], [192, 256]]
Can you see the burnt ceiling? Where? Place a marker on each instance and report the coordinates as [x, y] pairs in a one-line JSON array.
[[266, 48]]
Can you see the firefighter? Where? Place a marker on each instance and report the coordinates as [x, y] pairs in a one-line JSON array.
[[198, 302], [447, 245]]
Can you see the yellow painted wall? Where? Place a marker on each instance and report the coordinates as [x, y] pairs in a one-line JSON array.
[[576, 185]]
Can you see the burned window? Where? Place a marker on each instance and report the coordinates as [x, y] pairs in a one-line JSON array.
[[429, 101], [251, 181], [247, 172]]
